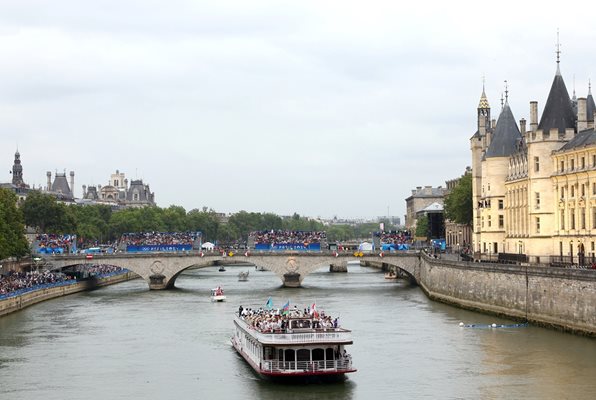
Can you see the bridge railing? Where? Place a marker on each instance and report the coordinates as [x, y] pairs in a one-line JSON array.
[[329, 335]]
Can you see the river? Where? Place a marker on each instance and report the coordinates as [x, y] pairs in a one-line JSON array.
[[126, 342]]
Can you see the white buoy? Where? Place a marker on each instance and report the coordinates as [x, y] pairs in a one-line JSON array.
[[494, 325], [461, 324]]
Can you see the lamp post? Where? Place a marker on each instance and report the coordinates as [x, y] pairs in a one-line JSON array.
[[457, 251]]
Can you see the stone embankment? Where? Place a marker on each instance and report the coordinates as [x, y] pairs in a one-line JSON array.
[[17, 303], [560, 298]]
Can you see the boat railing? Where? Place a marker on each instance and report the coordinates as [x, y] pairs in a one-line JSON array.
[[342, 364], [328, 335]]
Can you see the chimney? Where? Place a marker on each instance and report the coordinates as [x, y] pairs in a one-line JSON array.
[[533, 116], [49, 175], [522, 126], [72, 183], [84, 191], [582, 114]]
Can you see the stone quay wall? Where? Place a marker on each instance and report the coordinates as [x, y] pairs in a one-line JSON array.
[[17, 303], [560, 298]]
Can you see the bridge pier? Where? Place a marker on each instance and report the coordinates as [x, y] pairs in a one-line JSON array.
[[292, 279], [157, 282]]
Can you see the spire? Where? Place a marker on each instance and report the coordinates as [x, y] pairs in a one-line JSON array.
[[558, 53], [483, 104], [558, 111], [502, 102], [506, 92], [590, 105]]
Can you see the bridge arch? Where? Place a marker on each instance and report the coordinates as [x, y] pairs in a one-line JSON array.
[[160, 270]]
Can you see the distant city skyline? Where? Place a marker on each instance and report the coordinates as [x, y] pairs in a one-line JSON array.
[[333, 109]]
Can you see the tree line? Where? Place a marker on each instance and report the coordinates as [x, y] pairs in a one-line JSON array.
[[101, 224]]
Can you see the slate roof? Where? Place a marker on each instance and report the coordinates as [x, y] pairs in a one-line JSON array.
[[506, 135], [60, 185], [558, 111], [582, 139], [590, 106]]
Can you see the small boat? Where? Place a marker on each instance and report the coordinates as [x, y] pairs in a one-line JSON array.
[[222, 269], [217, 295], [260, 268], [391, 275], [295, 348], [243, 276]]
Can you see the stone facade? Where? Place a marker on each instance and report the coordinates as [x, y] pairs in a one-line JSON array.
[[523, 180], [421, 198], [118, 192]]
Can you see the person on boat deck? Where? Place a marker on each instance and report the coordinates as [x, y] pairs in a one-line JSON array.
[[240, 310]]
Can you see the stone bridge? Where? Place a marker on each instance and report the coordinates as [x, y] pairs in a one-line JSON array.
[[160, 270]]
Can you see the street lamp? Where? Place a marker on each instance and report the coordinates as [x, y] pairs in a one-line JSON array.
[[457, 251]]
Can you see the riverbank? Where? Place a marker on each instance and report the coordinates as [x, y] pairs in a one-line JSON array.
[[558, 298], [16, 303]]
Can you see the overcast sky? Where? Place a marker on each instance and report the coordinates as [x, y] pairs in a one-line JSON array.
[[325, 108]]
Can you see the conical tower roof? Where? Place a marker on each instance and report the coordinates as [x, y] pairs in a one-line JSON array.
[[483, 100], [506, 135], [558, 111]]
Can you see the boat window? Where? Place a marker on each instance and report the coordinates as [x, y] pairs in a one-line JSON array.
[[290, 355], [318, 355], [303, 355], [329, 353]]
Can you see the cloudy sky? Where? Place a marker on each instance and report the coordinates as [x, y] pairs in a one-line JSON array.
[[325, 108]]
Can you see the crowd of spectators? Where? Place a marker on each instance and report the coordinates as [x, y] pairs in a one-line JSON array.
[[15, 281], [288, 237], [159, 238], [394, 237], [53, 243], [102, 269], [278, 321]]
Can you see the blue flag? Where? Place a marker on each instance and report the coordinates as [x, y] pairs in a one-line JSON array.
[[269, 303], [286, 308]]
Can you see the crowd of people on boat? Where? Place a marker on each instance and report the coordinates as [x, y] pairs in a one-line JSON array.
[[279, 320], [54, 243], [14, 281], [288, 237], [158, 238], [394, 237]]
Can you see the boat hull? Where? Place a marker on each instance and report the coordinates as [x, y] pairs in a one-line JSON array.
[[307, 375]]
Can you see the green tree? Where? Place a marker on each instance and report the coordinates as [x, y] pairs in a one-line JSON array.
[[43, 212], [12, 230], [174, 218], [205, 221], [422, 226], [458, 203]]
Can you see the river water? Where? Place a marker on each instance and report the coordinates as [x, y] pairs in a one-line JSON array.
[[126, 342]]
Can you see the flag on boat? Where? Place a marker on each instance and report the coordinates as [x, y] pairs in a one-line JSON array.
[[286, 307], [269, 303], [313, 310]]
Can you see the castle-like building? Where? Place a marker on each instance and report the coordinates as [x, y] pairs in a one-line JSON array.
[[118, 192], [534, 189]]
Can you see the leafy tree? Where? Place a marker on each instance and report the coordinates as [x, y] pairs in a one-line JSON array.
[[458, 203], [422, 226], [174, 218], [12, 238], [205, 221], [227, 234], [42, 211], [340, 233]]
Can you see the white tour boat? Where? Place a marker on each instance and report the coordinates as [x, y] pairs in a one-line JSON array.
[[217, 294], [302, 350]]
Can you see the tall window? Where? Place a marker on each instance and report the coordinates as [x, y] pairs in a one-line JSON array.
[[582, 218], [572, 191], [562, 165], [489, 223], [537, 194], [537, 224], [583, 162], [594, 160], [593, 217], [583, 190], [501, 221], [536, 164], [572, 218], [562, 219], [572, 164], [500, 204]]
